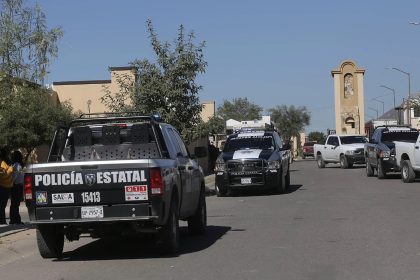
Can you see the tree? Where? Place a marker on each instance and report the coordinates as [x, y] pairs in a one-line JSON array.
[[26, 44], [240, 109], [317, 136], [29, 117], [167, 86], [290, 121], [214, 125]]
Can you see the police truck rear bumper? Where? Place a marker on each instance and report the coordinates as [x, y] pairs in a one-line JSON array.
[[111, 213]]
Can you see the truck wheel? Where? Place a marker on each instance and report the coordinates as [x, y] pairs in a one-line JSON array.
[[381, 171], [287, 179], [50, 241], [281, 183], [343, 162], [369, 169], [169, 234], [197, 224], [407, 172], [320, 162], [220, 191]]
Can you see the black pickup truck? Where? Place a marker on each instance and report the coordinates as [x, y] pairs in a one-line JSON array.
[[253, 160], [110, 174], [380, 150]]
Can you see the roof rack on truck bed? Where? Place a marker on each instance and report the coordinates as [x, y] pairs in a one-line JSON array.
[[101, 118]]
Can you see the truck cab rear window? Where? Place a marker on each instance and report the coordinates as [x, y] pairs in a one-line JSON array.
[[110, 142]]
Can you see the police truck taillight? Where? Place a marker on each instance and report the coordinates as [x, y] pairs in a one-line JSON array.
[[156, 181], [27, 187]]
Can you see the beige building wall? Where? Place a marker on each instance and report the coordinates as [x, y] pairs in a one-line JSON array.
[[349, 99], [209, 110], [85, 96]]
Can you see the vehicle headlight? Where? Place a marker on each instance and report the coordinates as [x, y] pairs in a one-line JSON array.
[[273, 164], [350, 153], [220, 167], [384, 154]]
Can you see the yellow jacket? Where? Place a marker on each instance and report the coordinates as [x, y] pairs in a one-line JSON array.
[[6, 172]]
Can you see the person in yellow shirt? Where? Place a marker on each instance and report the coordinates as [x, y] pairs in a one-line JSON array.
[[6, 183]]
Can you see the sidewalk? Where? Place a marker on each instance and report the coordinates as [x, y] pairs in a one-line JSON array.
[[6, 230]]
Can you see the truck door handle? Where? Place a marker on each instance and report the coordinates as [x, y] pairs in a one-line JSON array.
[[190, 167], [417, 147]]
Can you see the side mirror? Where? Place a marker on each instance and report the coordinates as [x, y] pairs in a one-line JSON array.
[[200, 152]]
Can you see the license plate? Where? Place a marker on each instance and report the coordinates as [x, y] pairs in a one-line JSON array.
[[92, 212], [245, 181]]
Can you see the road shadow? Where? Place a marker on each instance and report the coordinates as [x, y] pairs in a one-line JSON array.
[[141, 247], [256, 192], [10, 229]]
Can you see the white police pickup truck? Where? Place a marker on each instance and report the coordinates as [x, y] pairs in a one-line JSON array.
[[344, 149]]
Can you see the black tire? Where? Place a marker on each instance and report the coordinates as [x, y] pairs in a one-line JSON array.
[[320, 162], [287, 180], [221, 192], [50, 241], [169, 234], [197, 224], [407, 173], [380, 170], [281, 183], [369, 169], [343, 162]]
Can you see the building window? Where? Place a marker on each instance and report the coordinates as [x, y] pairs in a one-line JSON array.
[[350, 121], [417, 111]]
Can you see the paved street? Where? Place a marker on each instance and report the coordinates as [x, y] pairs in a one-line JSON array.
[[333, 224]]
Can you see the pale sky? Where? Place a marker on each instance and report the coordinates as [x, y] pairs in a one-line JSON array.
[[272, 52]]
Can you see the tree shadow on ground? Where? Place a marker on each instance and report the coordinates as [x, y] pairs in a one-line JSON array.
[[142, 247], [256, 192]]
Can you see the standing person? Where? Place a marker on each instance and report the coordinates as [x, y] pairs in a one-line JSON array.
[[6, 183], [16, 192]]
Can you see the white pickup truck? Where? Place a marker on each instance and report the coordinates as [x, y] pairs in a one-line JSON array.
[[407, 154], [344, 149]]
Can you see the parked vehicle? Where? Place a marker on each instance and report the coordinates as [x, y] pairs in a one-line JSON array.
[[380, 152], [407, 154], [308, 149], [344, 149], [256, 159], [115, 175]]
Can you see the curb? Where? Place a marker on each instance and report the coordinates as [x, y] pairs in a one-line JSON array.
[[13, 231]]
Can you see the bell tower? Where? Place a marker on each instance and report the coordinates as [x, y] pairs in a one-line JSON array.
[[349, 98]]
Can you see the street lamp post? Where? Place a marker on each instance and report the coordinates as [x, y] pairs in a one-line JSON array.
[[377, 112], [383, 105], [409, 93], [391, 89]]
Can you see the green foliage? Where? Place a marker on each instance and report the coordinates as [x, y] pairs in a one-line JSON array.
[[167, 86], [26, 44], [317, 136], [28, 116], [290, 121], [239, 109], [214, 125]]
